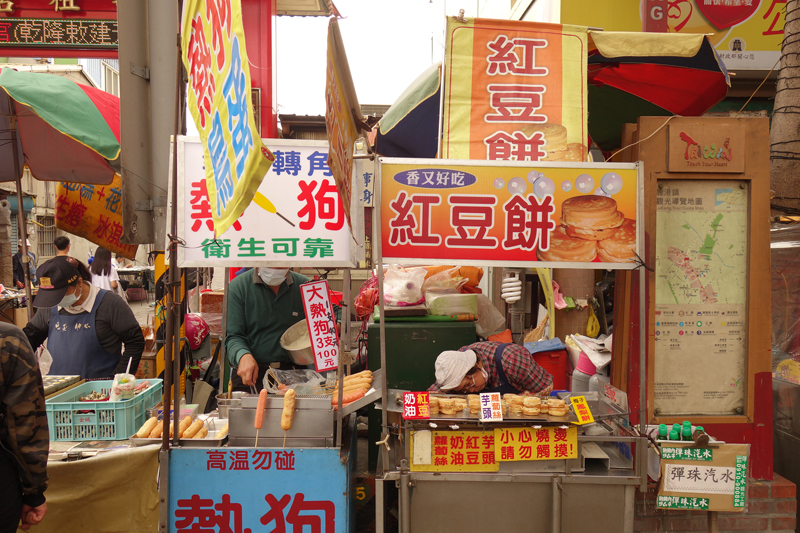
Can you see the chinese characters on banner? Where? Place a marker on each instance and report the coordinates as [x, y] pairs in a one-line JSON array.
[[340, 105], [305, 229], [416, 406], [491, 407], [215, 57], [747, 34], [93, 212], [532, 444], [582, 411], [493, 214], [460, 451], [58, 33], [321, 325], [700, 478], [514, 91], [248, 490]]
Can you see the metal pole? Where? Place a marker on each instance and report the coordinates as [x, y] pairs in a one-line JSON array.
[[642, 445], [405, 494], [344, 343], [556, 517], [376, 231], [22, 232], [222, 353]]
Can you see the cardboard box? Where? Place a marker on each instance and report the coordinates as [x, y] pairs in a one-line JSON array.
[[147, 367]]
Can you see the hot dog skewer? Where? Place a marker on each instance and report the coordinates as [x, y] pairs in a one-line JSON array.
[[288, 413], [262, 404]]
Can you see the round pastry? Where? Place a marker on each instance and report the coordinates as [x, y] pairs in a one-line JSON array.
[[560, 411], [460, 404], [433, 405], [532, 401], [556, 403], [515, 409], [517, 400], [620, 247], [591, 217], [531, 411], [573, 152], [564, 248], [447, 406], [555, 136], [545, 407], [471, 397]]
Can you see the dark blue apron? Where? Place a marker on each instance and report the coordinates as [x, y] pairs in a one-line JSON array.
[[72, 341], [504, 387]]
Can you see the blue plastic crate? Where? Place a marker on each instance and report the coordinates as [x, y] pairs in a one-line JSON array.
[[71, 419]]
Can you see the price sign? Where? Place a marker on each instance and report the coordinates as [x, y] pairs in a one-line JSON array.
[[416, 406], [582, 410], [491, 407], [321, 325]]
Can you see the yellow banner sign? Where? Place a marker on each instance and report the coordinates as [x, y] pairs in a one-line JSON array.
[[530, 444], [93, 212], [340, 103], [514, 91], [215, 56], [454, 451]]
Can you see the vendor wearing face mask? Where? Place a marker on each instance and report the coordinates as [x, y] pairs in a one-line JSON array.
[[490, 367], [262, 305], [85, 326]]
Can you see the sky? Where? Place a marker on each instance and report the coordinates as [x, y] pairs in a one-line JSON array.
[[388, 43]]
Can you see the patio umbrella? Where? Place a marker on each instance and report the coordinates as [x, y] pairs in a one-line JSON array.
[[59, 129], [649, 74], [630, 75], [409, 128]]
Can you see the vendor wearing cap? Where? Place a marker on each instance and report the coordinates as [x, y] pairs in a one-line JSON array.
[[490, 367], [262, 305], [85, 326]]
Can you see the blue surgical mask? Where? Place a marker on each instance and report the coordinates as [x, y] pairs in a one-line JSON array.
[[69, 299]]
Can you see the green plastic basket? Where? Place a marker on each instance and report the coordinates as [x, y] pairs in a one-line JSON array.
[[70, 419]]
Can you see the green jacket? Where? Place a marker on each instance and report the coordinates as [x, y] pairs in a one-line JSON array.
[[257, 317], [23, 418]]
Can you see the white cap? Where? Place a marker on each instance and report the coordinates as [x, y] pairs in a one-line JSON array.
[[451, 367], [27, 242]]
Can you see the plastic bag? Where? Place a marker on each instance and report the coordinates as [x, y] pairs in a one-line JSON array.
[[489, 318], [304, 382], [446, 279], [122, 388], [403, 287], [45, 359]]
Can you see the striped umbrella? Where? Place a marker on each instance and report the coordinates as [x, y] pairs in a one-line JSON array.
[[60, 130], [635, 74]]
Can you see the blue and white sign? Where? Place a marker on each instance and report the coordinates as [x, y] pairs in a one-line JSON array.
[[248, 490]]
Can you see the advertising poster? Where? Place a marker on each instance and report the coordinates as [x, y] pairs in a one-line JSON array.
[[215, 57], [93, 212], [296, 218], [514, 91], [747, 34], [510, 214], [701, 290]]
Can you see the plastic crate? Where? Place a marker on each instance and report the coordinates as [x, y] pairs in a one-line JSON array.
[[70, 419]]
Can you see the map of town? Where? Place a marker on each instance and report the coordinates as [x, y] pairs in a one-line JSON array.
[[700, 256]]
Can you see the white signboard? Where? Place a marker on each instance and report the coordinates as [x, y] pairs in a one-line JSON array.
[[321, 325], [705, 479], [491, 407], [295, 220]]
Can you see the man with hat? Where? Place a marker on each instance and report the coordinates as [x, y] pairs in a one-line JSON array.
[[86, 326], [19, 269]]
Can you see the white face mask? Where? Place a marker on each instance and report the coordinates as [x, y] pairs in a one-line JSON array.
[[272, 276], [70, 299]]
